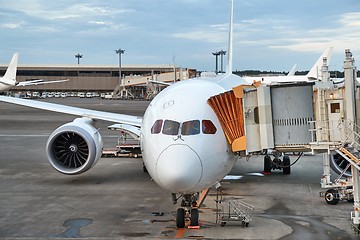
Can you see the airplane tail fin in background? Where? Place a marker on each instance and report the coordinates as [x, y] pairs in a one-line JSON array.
[[315, 71], [292, 71], [10, 74], [230, 43]]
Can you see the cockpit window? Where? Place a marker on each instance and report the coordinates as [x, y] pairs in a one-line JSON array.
[[190, 128], [208, 127], [156, 128], [171, 127]]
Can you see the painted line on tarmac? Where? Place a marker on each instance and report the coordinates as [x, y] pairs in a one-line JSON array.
[[180, 233]]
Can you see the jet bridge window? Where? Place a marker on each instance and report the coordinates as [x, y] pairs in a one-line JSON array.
[[208, 127], [171, 127], [335, 107], [190, 128], [156, 128], [256, 115]]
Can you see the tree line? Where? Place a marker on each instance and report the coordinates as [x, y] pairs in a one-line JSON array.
[[333, 74]]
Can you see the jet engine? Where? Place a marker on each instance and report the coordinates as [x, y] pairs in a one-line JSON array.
[[75, 147], [338, 164]]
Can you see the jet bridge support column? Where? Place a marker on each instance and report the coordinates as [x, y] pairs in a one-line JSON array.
[[326, 167], [350, 87], [356, 194]]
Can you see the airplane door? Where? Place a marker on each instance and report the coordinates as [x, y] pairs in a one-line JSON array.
[[336, 115]]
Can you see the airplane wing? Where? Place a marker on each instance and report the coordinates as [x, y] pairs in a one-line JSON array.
[[38, 82], [93, 114]]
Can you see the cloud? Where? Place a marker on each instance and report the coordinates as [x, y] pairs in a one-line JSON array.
[[351, 20], [62, 10], [10, 25], [44, 29], [345, 35], [64, 16], [201, 36], [100, 22], [212, 34]]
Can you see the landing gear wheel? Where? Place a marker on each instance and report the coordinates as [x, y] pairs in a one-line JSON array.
[[180, 218], [267, 164], [194, 221], [286, 164], [332, 196]]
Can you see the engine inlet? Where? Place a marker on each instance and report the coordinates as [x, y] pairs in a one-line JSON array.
[[70, 150]]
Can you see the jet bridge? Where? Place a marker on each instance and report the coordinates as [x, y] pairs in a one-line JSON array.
[[320, 117], [272, 117]]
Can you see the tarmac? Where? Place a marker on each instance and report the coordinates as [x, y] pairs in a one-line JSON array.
[[117, 200]]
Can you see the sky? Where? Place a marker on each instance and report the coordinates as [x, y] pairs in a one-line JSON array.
[[269, 35]]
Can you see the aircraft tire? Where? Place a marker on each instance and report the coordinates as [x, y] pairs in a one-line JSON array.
[[267, 164], [194, 221], [180, 218], [331, 196], [286, 163]]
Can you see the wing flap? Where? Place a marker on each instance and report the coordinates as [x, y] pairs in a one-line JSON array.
[[129, 129]]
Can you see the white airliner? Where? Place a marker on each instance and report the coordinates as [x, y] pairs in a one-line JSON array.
[[313, 75], [183, 145], [8, 81]]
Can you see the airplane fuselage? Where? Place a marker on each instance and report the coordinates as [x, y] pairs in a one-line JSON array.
[[278, 79], [184, 147], [4, 86]]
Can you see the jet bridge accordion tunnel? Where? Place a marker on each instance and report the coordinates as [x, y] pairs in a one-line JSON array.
[[259, 117]]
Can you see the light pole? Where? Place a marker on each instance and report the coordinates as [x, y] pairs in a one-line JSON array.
[[216, 54], [222, 53], [120, 51], [78, 56]]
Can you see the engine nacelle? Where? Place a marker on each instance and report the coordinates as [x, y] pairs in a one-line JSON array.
[[75, 147]]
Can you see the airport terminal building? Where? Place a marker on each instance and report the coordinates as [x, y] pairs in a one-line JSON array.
[[96, 78]]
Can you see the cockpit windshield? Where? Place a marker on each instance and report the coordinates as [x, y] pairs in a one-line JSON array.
[[208, 127], [190, 128], [171, 127], [156, 128], [193, 127]]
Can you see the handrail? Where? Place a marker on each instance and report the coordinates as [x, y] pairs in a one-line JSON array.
[[352, 133], [351, 130]]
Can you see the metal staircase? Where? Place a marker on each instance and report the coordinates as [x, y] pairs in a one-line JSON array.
[[350, 154], [350, 151], [350, 147]]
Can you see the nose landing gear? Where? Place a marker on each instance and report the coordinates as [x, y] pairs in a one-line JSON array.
[[188, 211]]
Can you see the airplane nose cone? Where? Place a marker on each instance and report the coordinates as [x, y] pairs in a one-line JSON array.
[[179, 168]]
